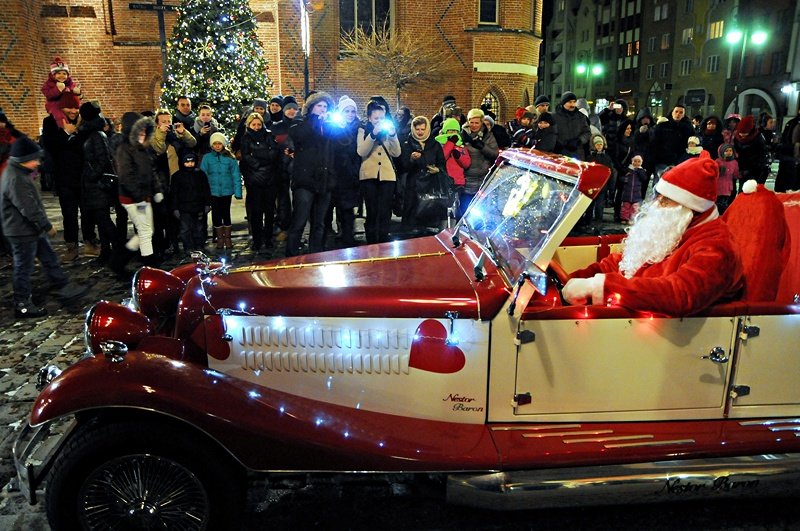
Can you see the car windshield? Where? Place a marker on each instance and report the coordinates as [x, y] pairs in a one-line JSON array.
[[519, 214]]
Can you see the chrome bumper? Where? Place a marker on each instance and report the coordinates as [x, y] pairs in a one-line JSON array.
[[33, 451]]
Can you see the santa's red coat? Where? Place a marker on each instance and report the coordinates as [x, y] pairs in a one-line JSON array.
[[704, 269]]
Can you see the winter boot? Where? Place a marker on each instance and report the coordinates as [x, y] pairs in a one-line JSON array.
[[71, 253], [71, 291], [91, 250], [226, 233], [220, 232], [29, 309]]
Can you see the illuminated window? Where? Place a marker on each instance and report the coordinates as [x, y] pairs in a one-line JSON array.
[[665, 40], [716, 29], [687, 35], [661, 12], [490, 102]]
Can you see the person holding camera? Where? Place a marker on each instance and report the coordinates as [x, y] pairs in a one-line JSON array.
[[204, 126], [377, 145], [170, 140], [313, 174], [483, 151]]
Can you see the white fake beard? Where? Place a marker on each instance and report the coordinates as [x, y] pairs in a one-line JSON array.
[[655, 233]]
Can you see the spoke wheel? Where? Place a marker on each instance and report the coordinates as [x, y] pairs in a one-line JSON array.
[[146, 474], [143, 492]]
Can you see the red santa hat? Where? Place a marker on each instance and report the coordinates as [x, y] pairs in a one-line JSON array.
[[58, 64], [692, 183]]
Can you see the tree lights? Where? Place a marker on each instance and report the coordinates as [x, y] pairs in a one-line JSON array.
[[214, 56]]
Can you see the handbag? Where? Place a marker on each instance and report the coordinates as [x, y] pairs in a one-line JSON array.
[[108, 182], [435, 196]]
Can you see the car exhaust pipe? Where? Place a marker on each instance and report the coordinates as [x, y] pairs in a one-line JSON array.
[[662, 481]]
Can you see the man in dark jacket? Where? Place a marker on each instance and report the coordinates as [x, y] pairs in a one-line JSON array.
[[670, 139], [611, 118], [573, 128], [313, 175], [28, 230], [65, 148]]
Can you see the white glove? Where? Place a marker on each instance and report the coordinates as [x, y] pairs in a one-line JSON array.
[[584, 290], [158, 197]]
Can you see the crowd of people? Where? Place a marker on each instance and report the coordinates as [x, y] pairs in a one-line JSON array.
[[297, 166]]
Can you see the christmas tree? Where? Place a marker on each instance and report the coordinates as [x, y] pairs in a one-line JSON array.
[[214, 56]]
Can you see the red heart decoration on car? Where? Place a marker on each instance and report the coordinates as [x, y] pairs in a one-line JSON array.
[[429, 352]]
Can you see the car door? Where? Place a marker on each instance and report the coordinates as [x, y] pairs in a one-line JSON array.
[[623, 369]]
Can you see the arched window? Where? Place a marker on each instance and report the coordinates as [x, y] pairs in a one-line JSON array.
[[490, 102]]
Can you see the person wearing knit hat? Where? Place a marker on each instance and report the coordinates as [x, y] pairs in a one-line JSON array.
[[58, 85], [276, 108], [289, 102], [448, 102], [728, 176], [693, 148], [751, 150], [312, 172], [28, 230], [572, 127], [542, 104], [225, 182], [679, 257], [190, 202]]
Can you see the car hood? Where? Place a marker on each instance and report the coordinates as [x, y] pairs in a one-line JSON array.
[[423, 277]]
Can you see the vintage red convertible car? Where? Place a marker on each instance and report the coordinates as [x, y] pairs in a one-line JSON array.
[[450, 355]]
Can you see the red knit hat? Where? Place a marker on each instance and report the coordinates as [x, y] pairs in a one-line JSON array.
[[693, 183], [58, 64], [68, 100]]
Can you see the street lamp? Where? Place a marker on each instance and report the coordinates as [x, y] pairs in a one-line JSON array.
[[589, 71], [305, 43], [758, 38]]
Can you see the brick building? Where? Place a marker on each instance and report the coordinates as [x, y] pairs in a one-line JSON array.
[[113, 48]]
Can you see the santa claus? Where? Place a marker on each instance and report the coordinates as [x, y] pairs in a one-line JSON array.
[[679, 256]]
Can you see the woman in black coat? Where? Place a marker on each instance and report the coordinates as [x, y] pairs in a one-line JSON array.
[[422, 159], [260, 167], [98, 194], [313, 175]]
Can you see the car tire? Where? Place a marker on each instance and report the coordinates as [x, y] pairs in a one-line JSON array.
[[143, 475]]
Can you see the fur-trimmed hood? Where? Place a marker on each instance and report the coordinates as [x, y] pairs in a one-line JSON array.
[[143, 123], [315, 98]]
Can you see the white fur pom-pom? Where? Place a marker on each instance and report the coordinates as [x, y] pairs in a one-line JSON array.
[[749, 186]]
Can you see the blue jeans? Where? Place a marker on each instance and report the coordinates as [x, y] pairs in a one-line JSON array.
[[25, 251], [307, 205]]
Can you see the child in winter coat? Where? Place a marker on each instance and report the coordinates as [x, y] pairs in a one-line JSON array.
[[224, 180], [693, 149], [633, 180], [456, 156], [58, 83], [190, 199], [599, 155], [728, 175], [546, 135]]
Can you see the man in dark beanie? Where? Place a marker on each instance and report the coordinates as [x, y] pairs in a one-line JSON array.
[[27, 228], [542, 104], [275, 109], [573, 128], [448, 102]]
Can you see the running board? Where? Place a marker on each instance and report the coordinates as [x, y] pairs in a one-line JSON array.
[[662, 481]]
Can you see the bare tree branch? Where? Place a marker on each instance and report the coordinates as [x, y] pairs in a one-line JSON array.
[[402, 59]]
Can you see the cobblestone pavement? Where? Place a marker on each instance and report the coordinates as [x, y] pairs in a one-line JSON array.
[[27, 345]]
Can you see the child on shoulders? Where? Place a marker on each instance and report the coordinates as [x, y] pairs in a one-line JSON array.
[[58, 83]]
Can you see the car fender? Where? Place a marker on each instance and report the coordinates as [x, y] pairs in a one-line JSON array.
[[263, 428]]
